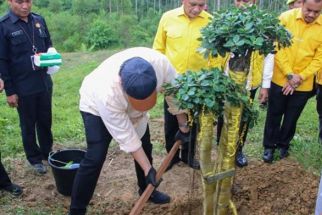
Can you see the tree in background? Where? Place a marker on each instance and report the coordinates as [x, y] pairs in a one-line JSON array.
[[127, 22]]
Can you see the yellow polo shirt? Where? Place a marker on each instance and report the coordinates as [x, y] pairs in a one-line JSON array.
[[319, 77], [304, 56], [256, 69], [177, 37]]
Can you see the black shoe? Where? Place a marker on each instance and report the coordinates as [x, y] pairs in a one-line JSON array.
[[283, 153], [241, 159], [13, 189], [158, 197], [268, 155], [174, 161], [39, 168], [194, 164]]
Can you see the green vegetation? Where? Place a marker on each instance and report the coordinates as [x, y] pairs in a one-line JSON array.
[[242, 31], [83, 25], [206, 91]]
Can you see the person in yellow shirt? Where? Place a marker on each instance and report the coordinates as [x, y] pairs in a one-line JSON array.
[[293, 77], [177, 38], [294, 3]]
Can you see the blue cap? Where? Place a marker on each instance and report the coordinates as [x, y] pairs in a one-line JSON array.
[[138, 78]]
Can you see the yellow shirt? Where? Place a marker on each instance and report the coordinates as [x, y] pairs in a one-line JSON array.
[[319, 77], [255, 76], [304, 56], [256, 69], [177, 38]]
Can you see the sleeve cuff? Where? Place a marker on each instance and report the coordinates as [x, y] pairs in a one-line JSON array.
[[266, 84], [303, 77], [132, 146], [9, 92]]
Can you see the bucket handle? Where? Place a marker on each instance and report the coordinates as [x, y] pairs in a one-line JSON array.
[[58, 161]]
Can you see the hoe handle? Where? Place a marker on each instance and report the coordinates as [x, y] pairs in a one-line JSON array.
[[149, 189]]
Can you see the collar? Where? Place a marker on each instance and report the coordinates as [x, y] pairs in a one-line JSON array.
[[14, 18], [180, 12], [299, 15]]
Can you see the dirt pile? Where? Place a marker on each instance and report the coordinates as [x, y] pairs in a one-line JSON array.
[[281, 188]]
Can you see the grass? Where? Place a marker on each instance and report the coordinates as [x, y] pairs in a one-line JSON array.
[[68, 128]]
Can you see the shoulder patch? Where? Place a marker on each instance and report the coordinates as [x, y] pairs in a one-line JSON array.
[[3, 18]]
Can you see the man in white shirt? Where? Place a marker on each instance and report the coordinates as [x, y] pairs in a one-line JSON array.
[[114, 100]]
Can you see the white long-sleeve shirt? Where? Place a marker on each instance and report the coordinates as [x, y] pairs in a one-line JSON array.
[[268, 71], [101, 94]]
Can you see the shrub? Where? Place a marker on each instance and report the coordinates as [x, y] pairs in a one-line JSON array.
[[101, 35]]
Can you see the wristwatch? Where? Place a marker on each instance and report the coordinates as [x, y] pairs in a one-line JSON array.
[[289, 76]]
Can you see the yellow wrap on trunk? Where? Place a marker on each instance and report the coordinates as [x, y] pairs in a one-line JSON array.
[[217, 195], [227, 151], [205, 139]]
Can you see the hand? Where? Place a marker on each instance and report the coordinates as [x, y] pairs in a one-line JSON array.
[[150, 178], [288, 89], [12, 100], [184, 137], [1, 85], [296, 80], [263, 95]]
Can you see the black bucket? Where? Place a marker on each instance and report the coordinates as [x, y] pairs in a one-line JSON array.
[[64, 176]]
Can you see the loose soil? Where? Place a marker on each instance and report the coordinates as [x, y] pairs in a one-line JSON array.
[[281, 188]]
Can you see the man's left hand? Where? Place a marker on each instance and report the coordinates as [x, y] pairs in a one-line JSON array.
[[263, 95], [288, 89]]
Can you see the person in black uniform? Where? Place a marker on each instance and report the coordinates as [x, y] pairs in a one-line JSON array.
[[28, 88], [5, 182]]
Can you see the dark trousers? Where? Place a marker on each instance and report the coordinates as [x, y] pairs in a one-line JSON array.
[[282, 115], [98, 139], [4, 178], [35, 117], [171, 127], [319, 108], [243, 128]]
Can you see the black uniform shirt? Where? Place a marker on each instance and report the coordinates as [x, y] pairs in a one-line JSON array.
[[17, 38]]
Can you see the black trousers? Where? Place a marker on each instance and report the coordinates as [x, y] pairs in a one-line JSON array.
[[98, 139], [319, 108], [243, 128], [4, 178], [35, 117], [282, 115], [171, 127]]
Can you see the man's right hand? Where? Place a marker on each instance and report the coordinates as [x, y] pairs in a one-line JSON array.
[[151, 177], [1, 85], [12, 100], [184, 137]]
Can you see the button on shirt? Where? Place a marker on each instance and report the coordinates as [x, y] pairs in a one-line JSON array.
[[101, 94], [16, 39], [304, 56]]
